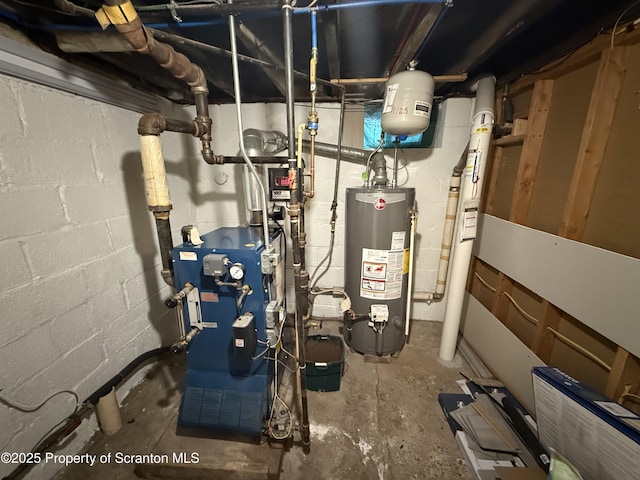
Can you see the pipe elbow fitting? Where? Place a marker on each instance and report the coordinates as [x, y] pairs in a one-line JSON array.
[[200, 83], [208, 155], [167, 276], [151, 124]]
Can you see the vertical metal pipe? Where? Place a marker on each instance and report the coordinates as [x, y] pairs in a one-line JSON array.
[[394, 182], [288, 65], [296, 216], [158, 197], [165, 242]]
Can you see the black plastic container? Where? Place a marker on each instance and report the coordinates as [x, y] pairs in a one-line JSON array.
[[324, 362]]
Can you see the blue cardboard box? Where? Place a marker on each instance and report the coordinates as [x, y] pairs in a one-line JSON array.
[[599, 436]]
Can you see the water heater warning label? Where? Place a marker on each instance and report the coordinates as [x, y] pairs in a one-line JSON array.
[[381, 274]]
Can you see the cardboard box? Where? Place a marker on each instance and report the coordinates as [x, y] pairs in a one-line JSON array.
[[599, 436]]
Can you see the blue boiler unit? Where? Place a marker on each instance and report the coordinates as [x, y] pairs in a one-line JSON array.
[[227, 307]]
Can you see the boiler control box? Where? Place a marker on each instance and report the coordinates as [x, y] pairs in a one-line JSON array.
[[279, 184]]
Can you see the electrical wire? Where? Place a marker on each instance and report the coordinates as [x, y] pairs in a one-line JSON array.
[[377, 149], [628, 395], [314, 277], [522, 311], [311, 4], [485, 283], [262, 353], [33, 408], [328, 290], [580, 349], [52, 429], [334, 203], [404, 167], [292, 370], [276, 397], [615, 26]]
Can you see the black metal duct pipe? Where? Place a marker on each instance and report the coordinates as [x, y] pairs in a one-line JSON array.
[[350, 154], [122, 14], [156, 123], [165, 242]]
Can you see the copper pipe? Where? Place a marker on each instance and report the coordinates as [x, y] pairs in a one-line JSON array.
[[312, 167], [364, 81]]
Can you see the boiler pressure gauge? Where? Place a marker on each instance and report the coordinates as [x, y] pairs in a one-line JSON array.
[[237, 271]]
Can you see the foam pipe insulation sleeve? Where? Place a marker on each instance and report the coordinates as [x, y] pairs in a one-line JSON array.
[[155, 176]]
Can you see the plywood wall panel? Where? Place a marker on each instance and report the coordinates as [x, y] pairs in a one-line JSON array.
[[521, 103], [508, 171], [565, 122], [614, 219]]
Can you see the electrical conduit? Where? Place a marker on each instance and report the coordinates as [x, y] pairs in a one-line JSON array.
[[238, 99], [471, 189]]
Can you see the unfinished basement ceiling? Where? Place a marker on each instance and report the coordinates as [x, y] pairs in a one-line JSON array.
[[507, 38]]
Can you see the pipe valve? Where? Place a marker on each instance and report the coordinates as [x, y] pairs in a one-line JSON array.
[[182, 344], [174, 300]]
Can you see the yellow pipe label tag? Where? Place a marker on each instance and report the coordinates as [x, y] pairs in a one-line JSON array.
[[405, 263], [116, 14]]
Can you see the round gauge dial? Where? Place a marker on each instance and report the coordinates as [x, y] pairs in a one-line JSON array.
[[237, 271]]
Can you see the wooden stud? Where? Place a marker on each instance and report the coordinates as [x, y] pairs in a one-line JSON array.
[[531, 150], [500, 307], [578, 59], [490, 189], [543, 339], [472, 281], [625, 369], [595, 135], [508, 141]]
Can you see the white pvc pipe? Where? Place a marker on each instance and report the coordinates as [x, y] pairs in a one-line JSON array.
[[471, 188], [108, 413], [412, 239]]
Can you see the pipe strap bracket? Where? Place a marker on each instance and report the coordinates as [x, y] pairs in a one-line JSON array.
[[116, 14]]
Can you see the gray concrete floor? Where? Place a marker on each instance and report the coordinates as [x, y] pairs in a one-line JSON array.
[[384, 423]]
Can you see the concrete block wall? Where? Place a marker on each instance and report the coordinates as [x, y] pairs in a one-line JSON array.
[[80, 284], [428, 170]]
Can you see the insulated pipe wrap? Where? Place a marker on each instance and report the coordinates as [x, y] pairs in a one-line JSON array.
[[447, 234], [155, 176]]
